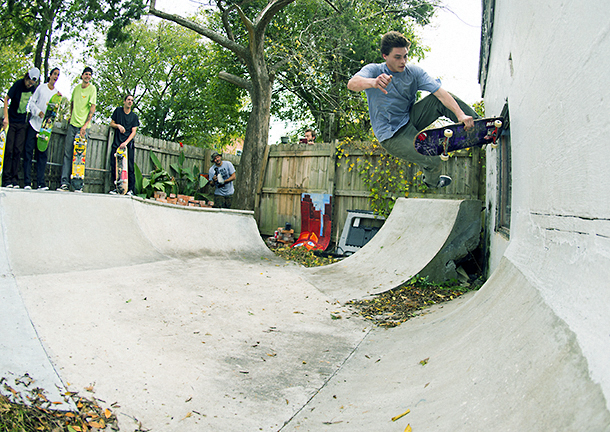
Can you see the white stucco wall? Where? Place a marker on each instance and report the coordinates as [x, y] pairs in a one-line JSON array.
[[559, 99]]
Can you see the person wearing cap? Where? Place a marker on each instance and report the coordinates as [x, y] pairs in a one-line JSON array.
[[37, 108], [16, 118], [222, 174], [82, 107]]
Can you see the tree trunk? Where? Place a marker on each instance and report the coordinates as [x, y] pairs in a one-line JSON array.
[[257, 135]]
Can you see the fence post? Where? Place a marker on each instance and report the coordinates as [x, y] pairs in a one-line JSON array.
[[259, 186], [108, 158]]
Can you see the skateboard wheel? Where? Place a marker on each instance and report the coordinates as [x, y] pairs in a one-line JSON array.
[[494, 145], [448, 133], [498, 123], [444, 157]]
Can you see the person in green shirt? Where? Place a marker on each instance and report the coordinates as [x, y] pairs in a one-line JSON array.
[[82, 107]]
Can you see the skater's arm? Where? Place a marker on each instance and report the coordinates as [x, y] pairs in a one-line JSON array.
[[5, 120], [358, 83], [447, 100], [115, 125], [83, 130], [130, 137]]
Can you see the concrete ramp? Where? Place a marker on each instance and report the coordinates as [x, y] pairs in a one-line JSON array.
[[421, 236], [502, 361], [195, 325], [54, 232]]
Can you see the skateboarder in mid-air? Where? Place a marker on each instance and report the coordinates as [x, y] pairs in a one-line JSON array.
[[391, 89]]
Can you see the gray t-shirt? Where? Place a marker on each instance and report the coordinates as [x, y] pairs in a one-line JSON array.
[[389, 112], [226, 169]]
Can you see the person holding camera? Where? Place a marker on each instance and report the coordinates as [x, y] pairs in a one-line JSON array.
[[221, 175]]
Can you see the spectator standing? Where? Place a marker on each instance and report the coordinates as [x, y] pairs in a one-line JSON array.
[[16, 117], [222, 174], [38, 108], [82, 107]]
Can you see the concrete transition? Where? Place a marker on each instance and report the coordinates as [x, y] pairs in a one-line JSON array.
[[182, 319], [424, 237]]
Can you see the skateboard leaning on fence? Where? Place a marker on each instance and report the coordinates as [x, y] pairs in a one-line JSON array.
[[44, 135], [443, 140], [121, 180], [3, 133], [78, 157]]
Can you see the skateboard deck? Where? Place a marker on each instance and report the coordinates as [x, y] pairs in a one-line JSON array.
[[121, 180], [78, 157], [443, 140], [47, 122], [3, 133]]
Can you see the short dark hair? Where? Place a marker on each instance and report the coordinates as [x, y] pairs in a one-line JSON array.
[[313, 134], [51, 73], [393, 39], [87, 69], [126, 96]]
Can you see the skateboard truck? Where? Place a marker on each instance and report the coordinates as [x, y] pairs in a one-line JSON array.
[[494, 134], [448, 134]]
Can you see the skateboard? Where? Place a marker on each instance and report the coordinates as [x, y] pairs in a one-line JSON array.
[[443, 140], [3, 133], [47, 122], [78, 157], [121, 180]]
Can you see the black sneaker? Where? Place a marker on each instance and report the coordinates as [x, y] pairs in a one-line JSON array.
[[113, 192], [63, 188], [443, 181], [43, 188]]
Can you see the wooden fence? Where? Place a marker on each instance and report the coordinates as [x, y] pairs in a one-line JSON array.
[[289, 171], [294, 169], [97, 166]]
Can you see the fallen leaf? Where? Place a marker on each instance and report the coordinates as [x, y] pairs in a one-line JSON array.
[[408, 429], [401, 415], [424, 362], [107, 413]]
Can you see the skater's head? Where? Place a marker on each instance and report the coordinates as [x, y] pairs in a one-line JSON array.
[[394, 49], [128, 101], [216, 158], [53, 75], [86, 75], [310, 135], [392, 40], [31, 77]]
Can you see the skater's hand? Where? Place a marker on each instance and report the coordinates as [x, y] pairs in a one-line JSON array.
[[468, 122], [41, 115], [123, 145], [121, 128], [83, 131], [5, 122], [382, 81]]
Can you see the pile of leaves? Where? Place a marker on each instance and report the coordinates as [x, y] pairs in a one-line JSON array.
[[392, 308], [30, 410], [303, 256]]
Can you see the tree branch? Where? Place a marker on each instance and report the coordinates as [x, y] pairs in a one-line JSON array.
[[234, 79], [223, 41]]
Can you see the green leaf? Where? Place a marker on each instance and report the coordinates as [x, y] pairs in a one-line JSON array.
[[155, 160]]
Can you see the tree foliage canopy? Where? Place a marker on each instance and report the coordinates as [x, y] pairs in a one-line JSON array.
[[173, 76], [322, 46], [42, 24]]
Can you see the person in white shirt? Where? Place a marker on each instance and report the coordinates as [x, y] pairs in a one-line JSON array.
[[37, 107]]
